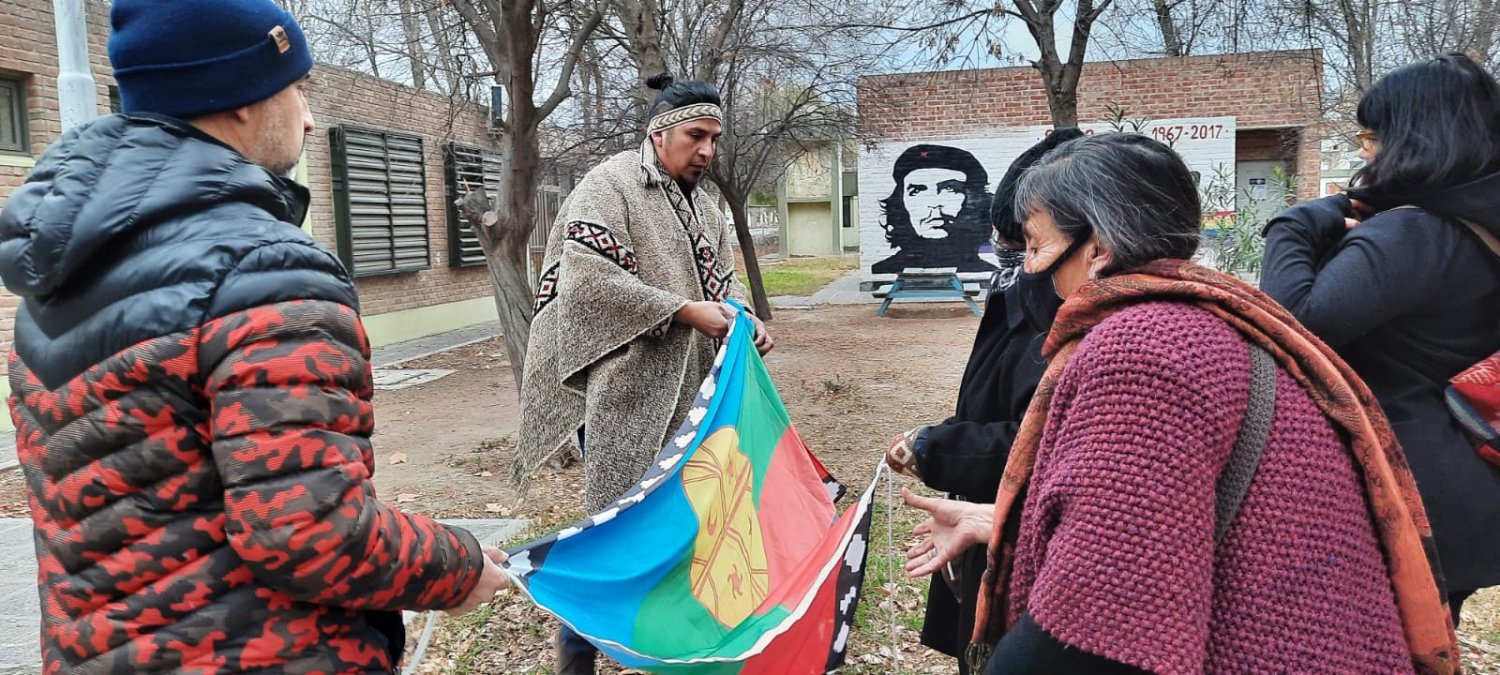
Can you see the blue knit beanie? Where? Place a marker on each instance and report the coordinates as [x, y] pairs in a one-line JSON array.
[[187, 58]]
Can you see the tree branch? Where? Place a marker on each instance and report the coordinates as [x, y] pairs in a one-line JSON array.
[[908, 29], [489, 38], [561, 92]]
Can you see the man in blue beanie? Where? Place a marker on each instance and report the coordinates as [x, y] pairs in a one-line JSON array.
[[190, 379]]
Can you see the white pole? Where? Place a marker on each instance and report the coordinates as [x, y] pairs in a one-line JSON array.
[[75, 81]]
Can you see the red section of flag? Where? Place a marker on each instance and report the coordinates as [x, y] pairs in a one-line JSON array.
[[794, 498]]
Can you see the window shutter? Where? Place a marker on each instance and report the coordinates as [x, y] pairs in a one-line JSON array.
[[467, 165], [380, 201], [13, 117]]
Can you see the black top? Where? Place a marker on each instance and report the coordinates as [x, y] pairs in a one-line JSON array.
[[1028, 648], [1409, 298], [965, 455], [136, 226]]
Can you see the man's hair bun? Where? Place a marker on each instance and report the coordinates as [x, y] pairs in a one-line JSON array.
[[659, 81]]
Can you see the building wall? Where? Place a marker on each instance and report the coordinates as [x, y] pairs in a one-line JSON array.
[[966, 127], [933, 205], [807, 196], [809, 231], [1265, 90], [807, 175], [345, 97]]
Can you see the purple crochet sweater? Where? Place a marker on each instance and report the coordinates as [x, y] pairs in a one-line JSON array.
[[1116, 553]]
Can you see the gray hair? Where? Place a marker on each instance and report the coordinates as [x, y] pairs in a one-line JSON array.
[[1134, 193]]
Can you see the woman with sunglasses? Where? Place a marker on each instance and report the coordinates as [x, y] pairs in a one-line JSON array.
[[1396, 276]]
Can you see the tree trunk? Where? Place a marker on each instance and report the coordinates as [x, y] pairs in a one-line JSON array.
[[1064, 106], [412, 27], [505, 250], [1061, 85], [1171, 39], [747, 249], [509, 281], [440, 37], [643, 40], [515, 218]]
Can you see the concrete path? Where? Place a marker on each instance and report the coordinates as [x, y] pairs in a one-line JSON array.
[[843, 291], [401, 352], [20, 613]]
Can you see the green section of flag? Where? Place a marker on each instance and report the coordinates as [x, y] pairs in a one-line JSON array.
[[670, 619], [763, 420]]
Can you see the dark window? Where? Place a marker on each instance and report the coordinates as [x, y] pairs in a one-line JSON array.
[[467, 167], [13, 136], [379, 200], [114, 99]]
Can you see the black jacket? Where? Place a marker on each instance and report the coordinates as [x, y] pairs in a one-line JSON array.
[[191, 390], [965, 455], [1409, 298]]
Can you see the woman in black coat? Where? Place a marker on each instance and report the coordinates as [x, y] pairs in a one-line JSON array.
[[965, 454], [1396, 278]]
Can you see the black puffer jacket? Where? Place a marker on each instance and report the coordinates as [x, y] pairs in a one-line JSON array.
[[191, 393]]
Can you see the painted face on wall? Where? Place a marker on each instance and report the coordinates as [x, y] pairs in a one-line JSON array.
[[934, 198]]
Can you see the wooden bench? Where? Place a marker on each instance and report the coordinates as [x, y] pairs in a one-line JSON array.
[[941, 282]]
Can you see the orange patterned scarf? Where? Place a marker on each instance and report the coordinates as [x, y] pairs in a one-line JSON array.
[[1402, 527]]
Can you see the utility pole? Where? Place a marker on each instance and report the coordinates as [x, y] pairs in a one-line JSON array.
[[75, 80]]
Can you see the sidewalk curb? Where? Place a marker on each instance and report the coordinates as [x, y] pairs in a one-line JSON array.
[[431, 352]]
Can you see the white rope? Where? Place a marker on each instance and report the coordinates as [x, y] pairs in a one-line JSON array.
[[416, 656], [890, 556]]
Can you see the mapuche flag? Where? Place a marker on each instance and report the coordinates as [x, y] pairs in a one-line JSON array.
[[728, 557]]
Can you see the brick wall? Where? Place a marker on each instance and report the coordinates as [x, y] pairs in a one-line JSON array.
[[27, 50], [1264, 90], [345, 97]]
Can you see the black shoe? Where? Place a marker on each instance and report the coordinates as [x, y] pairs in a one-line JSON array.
[[575, 659]]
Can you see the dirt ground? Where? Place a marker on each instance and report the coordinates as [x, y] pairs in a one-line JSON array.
[[850, 382]]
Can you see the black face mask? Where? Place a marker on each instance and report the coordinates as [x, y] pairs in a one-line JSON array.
[[1039, 298]]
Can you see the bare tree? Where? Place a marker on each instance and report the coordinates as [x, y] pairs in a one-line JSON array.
[[511, 35], [953, 26], [1438, 26], [1172, 41], [786, 75], [416, 51], [1352, 27], [1058, 76]]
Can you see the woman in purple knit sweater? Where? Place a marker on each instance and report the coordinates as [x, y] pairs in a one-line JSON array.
[[1198, 473]]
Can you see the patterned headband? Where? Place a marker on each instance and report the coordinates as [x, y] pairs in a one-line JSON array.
[[677, 117]]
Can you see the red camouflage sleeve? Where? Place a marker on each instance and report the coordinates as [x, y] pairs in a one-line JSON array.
[[289, 387]]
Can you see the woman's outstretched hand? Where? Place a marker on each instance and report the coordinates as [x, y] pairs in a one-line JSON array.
[[951, 528]]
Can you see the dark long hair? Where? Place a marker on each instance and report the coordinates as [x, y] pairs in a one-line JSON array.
[[1438, 124], [678, 94]]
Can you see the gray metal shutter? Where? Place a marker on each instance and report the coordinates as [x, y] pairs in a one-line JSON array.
[[380, 201], [472, 166]]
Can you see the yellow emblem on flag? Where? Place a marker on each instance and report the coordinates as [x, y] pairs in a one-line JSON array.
[[729, 571]]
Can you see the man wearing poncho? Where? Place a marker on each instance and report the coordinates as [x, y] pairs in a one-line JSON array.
[[629, 308]]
